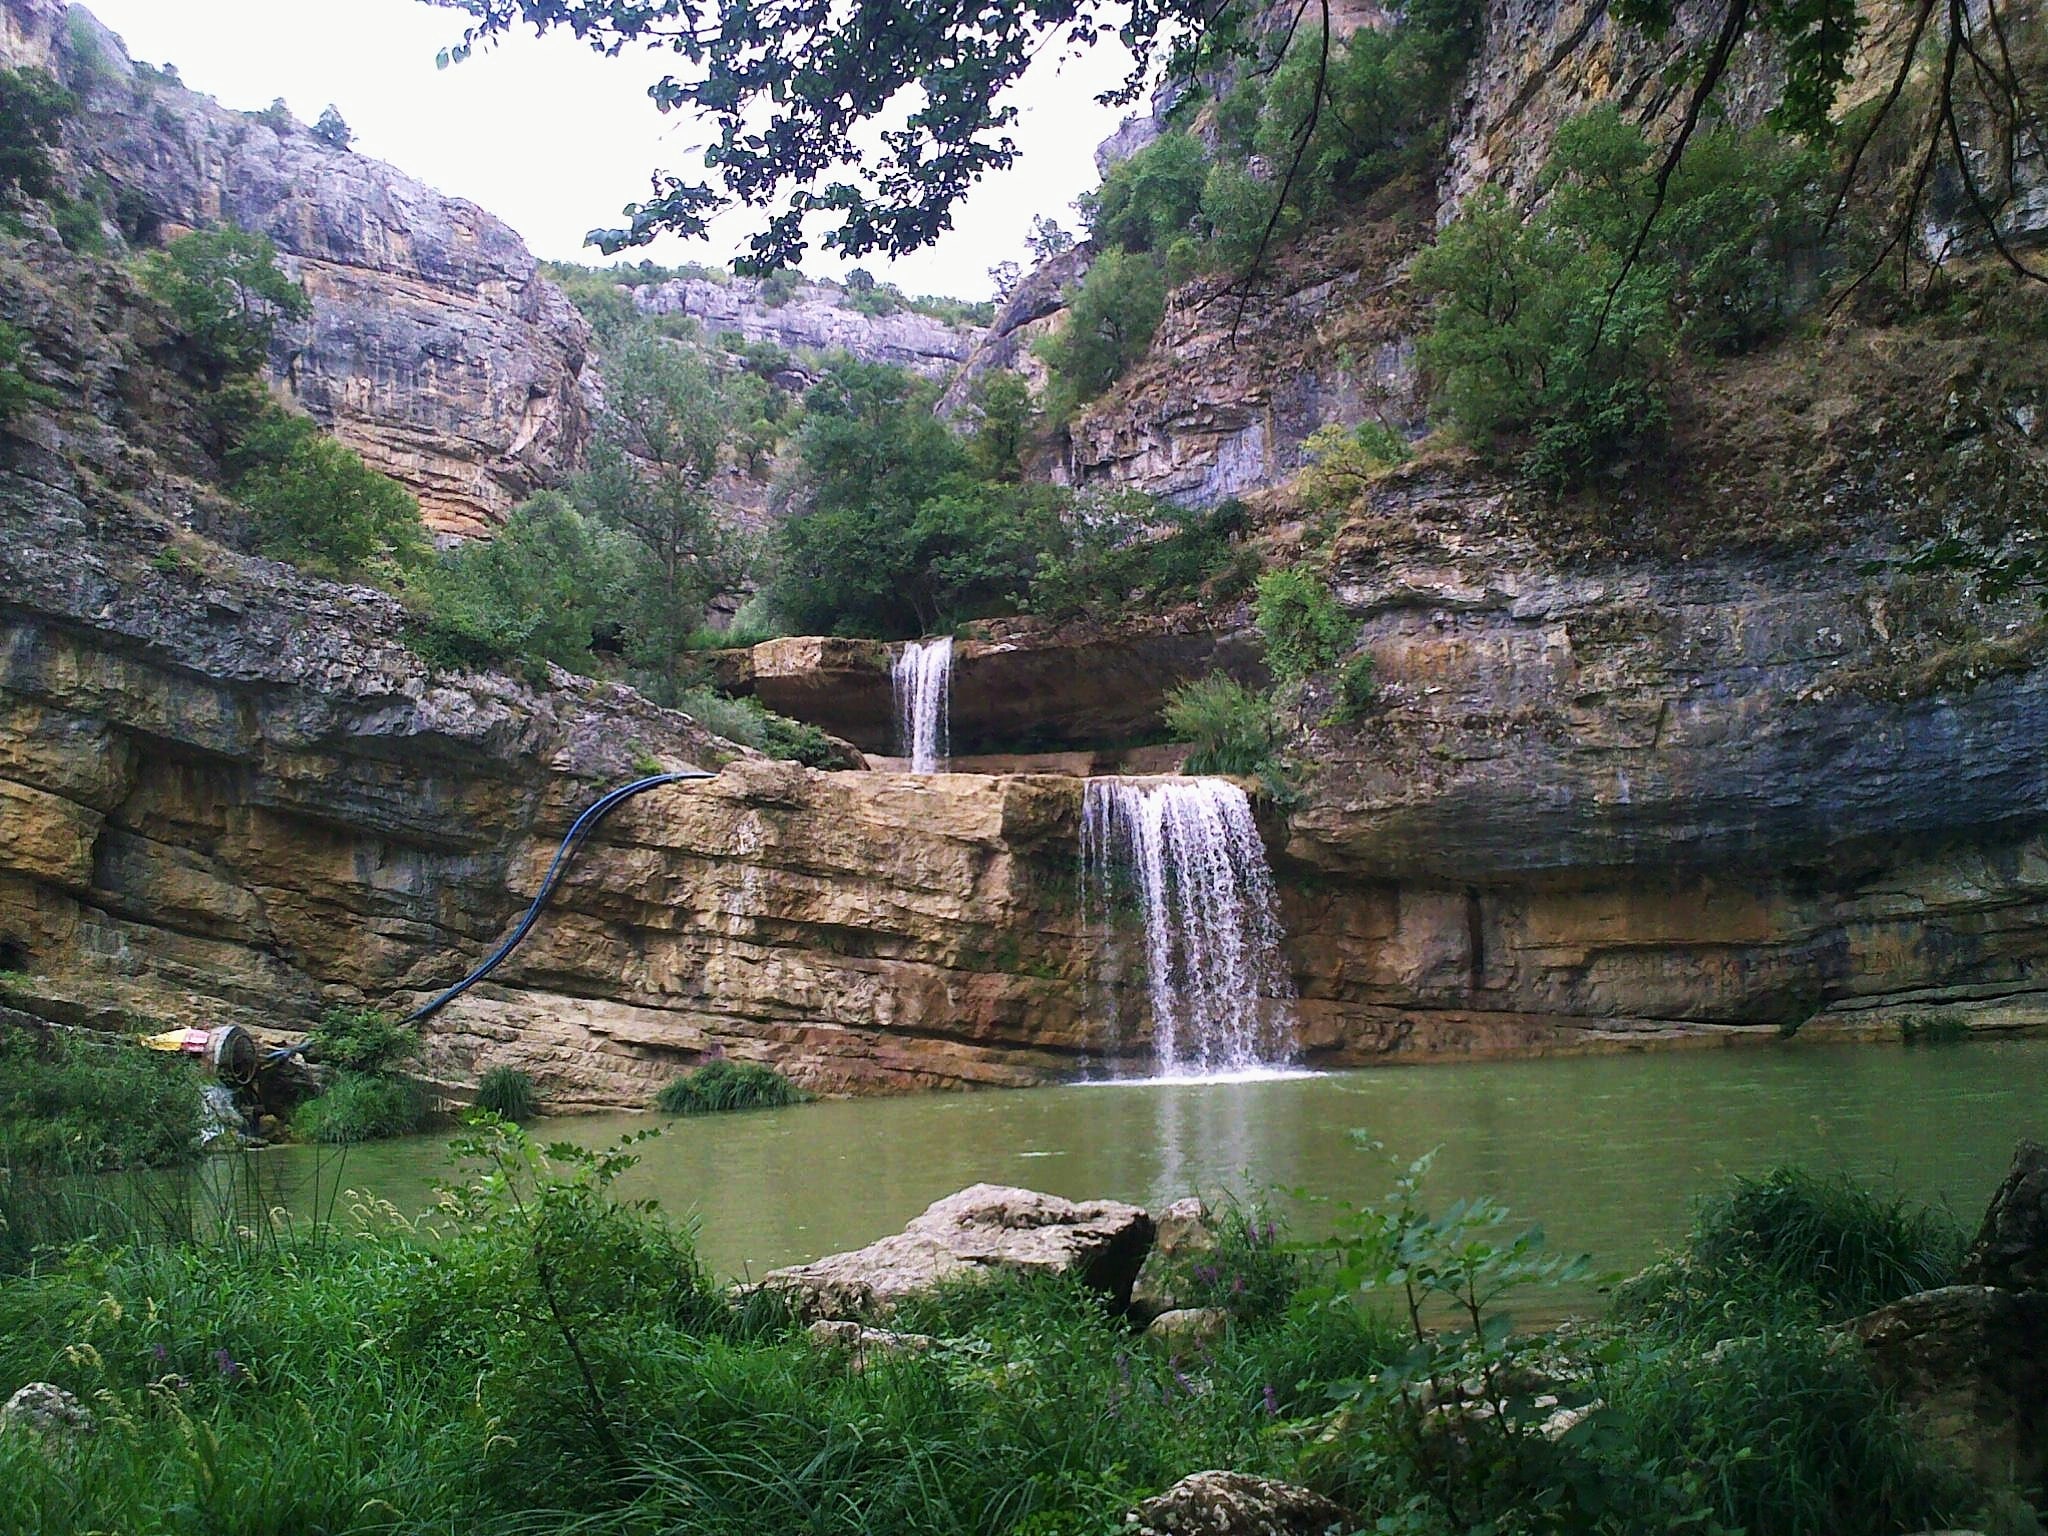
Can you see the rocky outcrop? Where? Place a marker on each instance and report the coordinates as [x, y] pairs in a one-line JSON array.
[[1018, 685], [1970, 1361], [1235, 383], [814, 320], [1029, 314], [434, 348], [2011, 1247], [1236, 1504], [983, 1232]]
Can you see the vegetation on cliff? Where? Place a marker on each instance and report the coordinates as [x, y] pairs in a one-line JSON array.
[[546, 1353], [897, 527]]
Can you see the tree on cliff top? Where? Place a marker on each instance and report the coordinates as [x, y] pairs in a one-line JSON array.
[[787, 84], [333, 129]]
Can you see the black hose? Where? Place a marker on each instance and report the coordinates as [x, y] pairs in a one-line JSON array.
[[579, 829]]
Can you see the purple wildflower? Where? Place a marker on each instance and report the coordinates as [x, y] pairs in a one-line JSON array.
[[1272, 1402], [227, 1365], [158, 1353]]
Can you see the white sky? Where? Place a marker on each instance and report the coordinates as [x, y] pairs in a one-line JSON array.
[[556, 140]]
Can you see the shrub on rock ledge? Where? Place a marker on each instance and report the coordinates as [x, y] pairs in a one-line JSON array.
[[723, 1085]]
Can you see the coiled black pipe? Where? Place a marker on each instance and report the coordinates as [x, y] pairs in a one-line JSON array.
[[579, 830]]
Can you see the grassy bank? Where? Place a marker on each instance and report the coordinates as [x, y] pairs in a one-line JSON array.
[[547, 1358]]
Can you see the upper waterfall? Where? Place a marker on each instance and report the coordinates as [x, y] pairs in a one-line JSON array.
[[922, 678], [1187, 852]]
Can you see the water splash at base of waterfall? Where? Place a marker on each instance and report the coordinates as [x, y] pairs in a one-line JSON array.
[[1187, 854], [922, 679]]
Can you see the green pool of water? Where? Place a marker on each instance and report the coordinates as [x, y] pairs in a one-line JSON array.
[[1605, 1152]]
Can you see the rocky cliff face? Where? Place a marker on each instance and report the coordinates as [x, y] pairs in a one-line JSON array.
[[814, 320], [434, 348]]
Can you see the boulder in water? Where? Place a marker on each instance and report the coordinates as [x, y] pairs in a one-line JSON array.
[[1236, 1504], [983, 1231]]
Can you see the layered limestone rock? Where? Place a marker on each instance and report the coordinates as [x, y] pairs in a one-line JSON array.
[[1234, 385], [434, 348], [814, 320], [1727, 790], [1018, 685]]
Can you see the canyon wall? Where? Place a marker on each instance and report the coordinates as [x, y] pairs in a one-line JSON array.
[[434, 347], [813, 320]]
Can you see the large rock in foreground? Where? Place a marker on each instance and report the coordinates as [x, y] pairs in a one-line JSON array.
[[1970, 1362], [2011, 1249], [983, 1231]]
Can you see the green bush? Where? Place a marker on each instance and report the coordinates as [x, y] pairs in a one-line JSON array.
[[722, 1085], [226, 294], [1304, 629], [1358, 688], [363, 1040], [1149, 200], [507, 1092], [1790, 1430], [1828, 1247], [1109, 322], [1538, 336], [314, 502], [1128, 548], [752, 724], [546, 585], [79, 223], [1344, 461], [71, 1101], [1229, 728], [361, 1106], [33, 110]]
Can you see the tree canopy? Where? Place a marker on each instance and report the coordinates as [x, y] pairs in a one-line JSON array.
[[789, 86]]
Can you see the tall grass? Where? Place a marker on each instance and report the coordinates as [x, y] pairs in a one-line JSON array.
[[361, 1106], [508, 1092], [725, 1085], [1793, 1242], [549, 1358]]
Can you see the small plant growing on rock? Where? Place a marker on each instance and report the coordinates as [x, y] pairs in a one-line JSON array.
[[370, 1096], [508, 1093], [718, 1086], [1358, 689], [1299, 618], [1230, 728], [363, 1040]]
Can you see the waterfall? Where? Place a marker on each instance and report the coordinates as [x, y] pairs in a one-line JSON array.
[[1187, 853], [922, 678]]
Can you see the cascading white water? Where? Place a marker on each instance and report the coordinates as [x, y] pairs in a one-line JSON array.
[[1187, 852], [923, 681]]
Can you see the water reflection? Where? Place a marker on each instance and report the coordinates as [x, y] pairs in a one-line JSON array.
[[1605, 1152]]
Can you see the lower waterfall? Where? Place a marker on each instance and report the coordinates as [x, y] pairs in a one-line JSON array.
[[922, 679], [1187, 853]]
